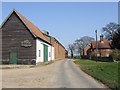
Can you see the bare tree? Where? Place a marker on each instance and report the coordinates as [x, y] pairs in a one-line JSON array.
[[71, 48], [79, 44], [82, 42], [110, 29]]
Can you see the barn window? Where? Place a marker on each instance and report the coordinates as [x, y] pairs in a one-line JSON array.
[[39, 53]]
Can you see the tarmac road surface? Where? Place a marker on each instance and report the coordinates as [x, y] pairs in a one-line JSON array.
[[60, 74]]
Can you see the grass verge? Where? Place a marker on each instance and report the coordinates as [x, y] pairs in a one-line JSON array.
[[106, 72]]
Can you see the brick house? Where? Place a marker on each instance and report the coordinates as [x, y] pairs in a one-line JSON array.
[[104, 48], [86, 51]]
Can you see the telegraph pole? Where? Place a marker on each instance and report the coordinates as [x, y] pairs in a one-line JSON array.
[[96, 45]]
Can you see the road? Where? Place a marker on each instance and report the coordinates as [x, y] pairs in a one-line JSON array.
[[60, 74]]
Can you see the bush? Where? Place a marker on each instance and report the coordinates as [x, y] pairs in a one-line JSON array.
[[76, 57], [116, 54]]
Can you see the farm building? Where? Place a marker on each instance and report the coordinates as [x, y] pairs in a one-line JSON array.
[[24, 43], [60, 52]]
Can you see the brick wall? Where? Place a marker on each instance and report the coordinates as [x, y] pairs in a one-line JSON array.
[[59, 50]]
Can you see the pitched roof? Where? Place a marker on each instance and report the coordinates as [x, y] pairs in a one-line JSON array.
[[101, 45], [33, 29], [87, 47], [52, 38]]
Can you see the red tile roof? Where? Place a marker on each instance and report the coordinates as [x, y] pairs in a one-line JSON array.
[[102, 45], [34, 30]]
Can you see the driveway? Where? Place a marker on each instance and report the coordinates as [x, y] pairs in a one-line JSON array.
[[60, 74]]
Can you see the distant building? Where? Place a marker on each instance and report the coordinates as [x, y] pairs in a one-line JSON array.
[[86, 51], [24, 43], [103, 49]]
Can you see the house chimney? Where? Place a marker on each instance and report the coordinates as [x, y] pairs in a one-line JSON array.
[[101, 38]]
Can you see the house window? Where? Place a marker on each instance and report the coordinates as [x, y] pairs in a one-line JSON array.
[[107, 55], [39, 53], [108, 50]]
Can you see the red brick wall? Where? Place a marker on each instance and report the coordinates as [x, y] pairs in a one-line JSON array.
[[59, 50], [103, 52], [86, 49]]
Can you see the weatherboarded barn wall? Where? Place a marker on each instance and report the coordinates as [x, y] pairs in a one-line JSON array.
[[14, 32]]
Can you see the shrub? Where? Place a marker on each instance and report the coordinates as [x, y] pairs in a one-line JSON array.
[[116, 54]]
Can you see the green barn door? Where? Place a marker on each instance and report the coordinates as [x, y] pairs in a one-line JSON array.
[[45, 53], [13, 58]]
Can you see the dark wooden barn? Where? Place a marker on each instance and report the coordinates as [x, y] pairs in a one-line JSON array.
[[24, 43], [19, 40]]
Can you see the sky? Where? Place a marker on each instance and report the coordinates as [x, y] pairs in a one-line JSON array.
[[66, 21]]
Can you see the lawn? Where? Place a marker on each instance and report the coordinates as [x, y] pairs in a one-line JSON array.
[[106, 72]]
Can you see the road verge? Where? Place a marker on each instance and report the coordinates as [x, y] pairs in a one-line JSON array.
[[106, 72]]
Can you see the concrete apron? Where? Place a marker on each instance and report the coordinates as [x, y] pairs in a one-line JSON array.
[[15, 66]]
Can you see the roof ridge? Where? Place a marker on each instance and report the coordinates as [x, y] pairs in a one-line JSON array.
[[33, 29]]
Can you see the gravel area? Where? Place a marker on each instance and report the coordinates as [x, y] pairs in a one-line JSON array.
[[60, 74], [36, 77]]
